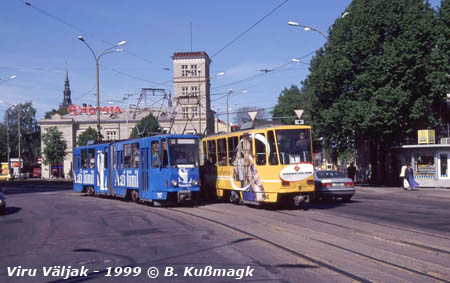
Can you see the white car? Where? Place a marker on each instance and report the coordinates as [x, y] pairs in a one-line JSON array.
[[333, 184]]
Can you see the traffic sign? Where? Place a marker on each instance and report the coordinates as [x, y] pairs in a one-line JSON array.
[[299, 113], [299, 122], [252, 114], [334, 145]]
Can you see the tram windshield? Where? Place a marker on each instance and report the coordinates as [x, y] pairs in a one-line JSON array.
[[183, 152], [294, 146]]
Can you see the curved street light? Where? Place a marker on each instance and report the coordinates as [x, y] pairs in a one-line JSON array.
[[97, 59], [10, 78], [307, 28]]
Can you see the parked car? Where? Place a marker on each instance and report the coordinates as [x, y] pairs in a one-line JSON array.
[[2, 202], [331, 184]]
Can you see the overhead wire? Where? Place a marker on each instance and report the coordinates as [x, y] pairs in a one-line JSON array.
[[143, 59], [250, 28], [79, 29]]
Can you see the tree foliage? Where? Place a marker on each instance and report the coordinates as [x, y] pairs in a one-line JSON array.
[[289, 100], [61, 111], [146, 127], [29, 132], [88, 135], [374, 79], [54, 146]]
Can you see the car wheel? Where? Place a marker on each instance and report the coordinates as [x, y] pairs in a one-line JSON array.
[[346, 198], [135, 196]]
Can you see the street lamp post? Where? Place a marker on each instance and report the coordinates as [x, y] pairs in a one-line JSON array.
[[228, 110], [8, 150], [97, 59], [307, 28]]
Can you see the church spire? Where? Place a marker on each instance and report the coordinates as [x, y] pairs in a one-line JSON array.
[[67, 100]]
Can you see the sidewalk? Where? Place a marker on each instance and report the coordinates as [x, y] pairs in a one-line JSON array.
[[432, 192]]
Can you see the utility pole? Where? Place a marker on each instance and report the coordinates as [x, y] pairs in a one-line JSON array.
[[19, 131], [7, 141], [199, 105], [228, 111]]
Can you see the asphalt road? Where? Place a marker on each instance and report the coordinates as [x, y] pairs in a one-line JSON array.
[[383, 235]]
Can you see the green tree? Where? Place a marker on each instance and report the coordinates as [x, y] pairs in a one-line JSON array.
[[373, 81], [29, 132], [88, 135], [54, 146], [440, 76], [146, 127], [289, 100], [61, 111]]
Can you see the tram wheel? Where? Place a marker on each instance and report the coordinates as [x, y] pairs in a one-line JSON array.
[[90, 191], [135, 196]]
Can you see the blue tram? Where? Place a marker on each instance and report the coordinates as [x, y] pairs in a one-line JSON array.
[[157, 169]]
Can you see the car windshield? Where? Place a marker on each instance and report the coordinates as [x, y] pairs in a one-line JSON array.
[[294, 146], [329, 174], [183, 152]]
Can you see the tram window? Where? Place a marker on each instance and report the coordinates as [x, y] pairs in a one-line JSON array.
[[273, 158], [91, 157], [119, 159], [127, 155], [222, 151], [84, 158], [204, 153], [135, 156], [114, 156], [212, 151], [106, 158], [164, 156], [260, 149], [155, 154], [232, 147]]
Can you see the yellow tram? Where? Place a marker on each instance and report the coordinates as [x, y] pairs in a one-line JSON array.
[[260, 165]]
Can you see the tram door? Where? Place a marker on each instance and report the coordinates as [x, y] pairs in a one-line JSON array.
[[443, 165], [158, 164], [144, 175], [102, 169]]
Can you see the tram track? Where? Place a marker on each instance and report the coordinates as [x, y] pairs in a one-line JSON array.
[[318, 262], [384, 237], [393, 227], [431, 275]]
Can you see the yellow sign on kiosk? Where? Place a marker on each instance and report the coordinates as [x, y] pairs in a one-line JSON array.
[[425, 137]]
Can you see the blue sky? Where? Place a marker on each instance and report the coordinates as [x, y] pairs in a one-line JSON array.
[[38, 41]]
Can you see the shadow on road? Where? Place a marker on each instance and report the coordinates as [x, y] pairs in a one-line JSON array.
[[11, 210], [35, 186]]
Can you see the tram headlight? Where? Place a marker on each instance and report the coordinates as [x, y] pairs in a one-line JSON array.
[[195, 182], [174, 183]]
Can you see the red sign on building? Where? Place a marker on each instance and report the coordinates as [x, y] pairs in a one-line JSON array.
[[90, 110]]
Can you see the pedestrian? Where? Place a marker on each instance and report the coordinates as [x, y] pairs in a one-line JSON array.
[[351, 172], [405, 184], [410, 177]]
